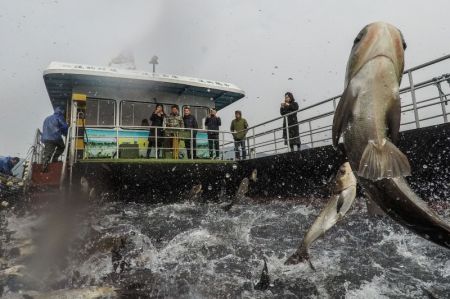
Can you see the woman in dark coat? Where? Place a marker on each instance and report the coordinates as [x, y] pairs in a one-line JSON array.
[[157, 120], [290, 105]]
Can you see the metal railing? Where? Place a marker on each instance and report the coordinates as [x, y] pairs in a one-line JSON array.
[[37, 148], [423, 104], [121, 142]]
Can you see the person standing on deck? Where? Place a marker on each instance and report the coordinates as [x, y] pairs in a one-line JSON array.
[[7, 164], [212, 124], [291, 130], [190, 122], [239, 126], [54, 128], [156, 134], [174, 120]]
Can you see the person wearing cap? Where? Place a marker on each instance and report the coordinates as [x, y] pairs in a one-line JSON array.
[[7, 164], [54, 128], [212, 124], [239, 127], [191, 123]]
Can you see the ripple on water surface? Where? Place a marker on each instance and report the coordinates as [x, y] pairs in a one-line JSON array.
[[200, 251]]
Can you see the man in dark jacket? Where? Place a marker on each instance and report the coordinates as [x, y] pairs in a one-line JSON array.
[[53, 129], [239, 127], [213, 123], [190, 122], [7, 164]]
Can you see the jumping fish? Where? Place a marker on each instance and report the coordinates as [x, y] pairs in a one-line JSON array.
[[368, 119], [344, 192], [195, 193], [240, 194]]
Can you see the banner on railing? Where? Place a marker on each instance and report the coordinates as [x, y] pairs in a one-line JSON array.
[[105, 143]]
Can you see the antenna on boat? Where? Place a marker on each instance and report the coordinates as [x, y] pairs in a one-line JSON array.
[[154, 61]]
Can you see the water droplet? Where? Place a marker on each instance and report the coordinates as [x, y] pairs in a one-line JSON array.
[[209, 187], [227, 175], [234, 166], [425, 166]]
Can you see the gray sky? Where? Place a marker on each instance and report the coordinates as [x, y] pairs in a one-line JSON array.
[[254, 44]]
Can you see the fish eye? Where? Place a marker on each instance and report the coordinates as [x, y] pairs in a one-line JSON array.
[[403, 40], [360, 35]]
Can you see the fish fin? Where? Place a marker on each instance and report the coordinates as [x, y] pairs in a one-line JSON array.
[[300, 256], [385, 160], [393, 121], [342, 114]]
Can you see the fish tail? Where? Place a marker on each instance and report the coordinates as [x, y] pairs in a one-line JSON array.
[[384, 160], [300, 256]]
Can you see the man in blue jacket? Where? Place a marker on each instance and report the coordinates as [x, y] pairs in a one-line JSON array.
[[53, 129], [7, 164]]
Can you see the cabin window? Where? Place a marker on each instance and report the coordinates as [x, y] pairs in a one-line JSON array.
[[200, 114], [134, 113], [100, 112]]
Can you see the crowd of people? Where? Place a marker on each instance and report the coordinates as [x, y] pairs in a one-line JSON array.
[[165, 133], [239, 127]]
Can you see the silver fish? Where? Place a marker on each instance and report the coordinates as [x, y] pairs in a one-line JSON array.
[[344, 193], [368, 119]]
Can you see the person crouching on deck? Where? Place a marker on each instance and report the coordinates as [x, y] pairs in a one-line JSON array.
[[54, 128], [174, 120], [7, 164]]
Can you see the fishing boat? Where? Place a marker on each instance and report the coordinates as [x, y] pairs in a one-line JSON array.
[[108, 111], [107, 144]]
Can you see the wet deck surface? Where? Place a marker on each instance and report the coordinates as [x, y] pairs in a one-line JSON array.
[[190, 250]]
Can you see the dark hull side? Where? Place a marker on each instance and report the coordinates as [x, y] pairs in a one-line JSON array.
[[306, 173], [154, 182], [296, 174]]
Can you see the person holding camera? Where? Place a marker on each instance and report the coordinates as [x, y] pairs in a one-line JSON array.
[[291, 132], [212, 124], [156, 134]]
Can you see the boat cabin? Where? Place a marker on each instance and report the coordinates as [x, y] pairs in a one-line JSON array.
[[109, 109]]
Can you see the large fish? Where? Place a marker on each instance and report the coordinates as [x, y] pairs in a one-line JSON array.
[[344, 193], [368, 119]]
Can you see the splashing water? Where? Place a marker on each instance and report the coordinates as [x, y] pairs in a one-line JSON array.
[[187, 250]]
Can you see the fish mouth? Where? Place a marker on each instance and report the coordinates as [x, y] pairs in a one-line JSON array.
[[373, 58]]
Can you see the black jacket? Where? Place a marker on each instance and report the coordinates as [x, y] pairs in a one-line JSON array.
[[294, 134], [157, 121], [190, 122], [213, 123]]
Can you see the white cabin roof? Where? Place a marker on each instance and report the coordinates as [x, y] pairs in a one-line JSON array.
[[60, 77]]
